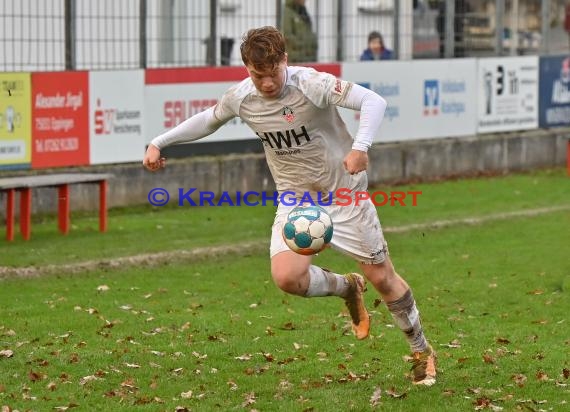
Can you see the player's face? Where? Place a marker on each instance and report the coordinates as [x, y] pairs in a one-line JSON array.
[[268, 81]]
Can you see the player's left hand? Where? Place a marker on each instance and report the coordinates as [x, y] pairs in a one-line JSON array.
[[356, 161]]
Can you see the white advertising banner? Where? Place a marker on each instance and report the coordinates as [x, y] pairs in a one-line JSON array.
[[116, 104], [167, 105], [508, 93], [426, 98]]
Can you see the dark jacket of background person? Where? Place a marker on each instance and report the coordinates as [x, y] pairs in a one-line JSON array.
[[301, 41], [376, 54], [368, 55]]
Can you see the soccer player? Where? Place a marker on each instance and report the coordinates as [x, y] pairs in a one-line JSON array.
[[308, 148]]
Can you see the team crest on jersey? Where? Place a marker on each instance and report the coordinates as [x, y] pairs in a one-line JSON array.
[[338, 86], [288, 114]]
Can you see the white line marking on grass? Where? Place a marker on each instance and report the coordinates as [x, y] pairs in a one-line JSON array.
[[148, 259], [438, 224], [159, 258]]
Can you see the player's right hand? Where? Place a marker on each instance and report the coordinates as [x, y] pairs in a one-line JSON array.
[[152, 160]]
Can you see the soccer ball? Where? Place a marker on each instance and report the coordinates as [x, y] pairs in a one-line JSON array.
[[308, 229]]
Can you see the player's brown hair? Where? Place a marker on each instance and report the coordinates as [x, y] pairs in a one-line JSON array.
[[263, 47]]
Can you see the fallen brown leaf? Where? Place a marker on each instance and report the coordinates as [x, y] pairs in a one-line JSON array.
[[87, 379], [66, 407], [268, 357], [392, 393], [519, 379], [375, 398], [541, 376], [249, 399], [453, 344], [288, 326], [538, 356], [481, 403], [129, 384], [486, 403], [35, 376], [488, 358]]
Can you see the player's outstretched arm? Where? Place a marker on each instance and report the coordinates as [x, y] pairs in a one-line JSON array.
[[196, 127]]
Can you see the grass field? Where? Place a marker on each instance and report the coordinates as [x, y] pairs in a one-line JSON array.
[[214, 333]]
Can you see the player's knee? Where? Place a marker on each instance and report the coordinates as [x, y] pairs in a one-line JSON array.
[[290, 272], [382, 276], [287, 280]]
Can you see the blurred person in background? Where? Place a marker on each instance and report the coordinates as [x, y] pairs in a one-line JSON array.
[[376, 49], [300, 38]]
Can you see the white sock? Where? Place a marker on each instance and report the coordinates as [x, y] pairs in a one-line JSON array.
[[407, 317], [323, 282]]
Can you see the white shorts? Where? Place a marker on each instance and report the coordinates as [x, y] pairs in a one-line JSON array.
[[356, 232]]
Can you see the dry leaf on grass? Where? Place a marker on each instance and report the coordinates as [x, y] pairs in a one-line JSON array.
[[249, 399], [519, 379], [375, 398]]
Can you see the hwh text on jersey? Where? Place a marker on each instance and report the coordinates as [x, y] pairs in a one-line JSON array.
[[280, 140]]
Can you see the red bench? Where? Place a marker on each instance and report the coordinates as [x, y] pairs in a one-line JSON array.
[[24, 185]]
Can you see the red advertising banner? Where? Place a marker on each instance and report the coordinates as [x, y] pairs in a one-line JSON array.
[[60, 119]]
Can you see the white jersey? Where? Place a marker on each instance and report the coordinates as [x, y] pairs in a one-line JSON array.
[[304, 138]]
